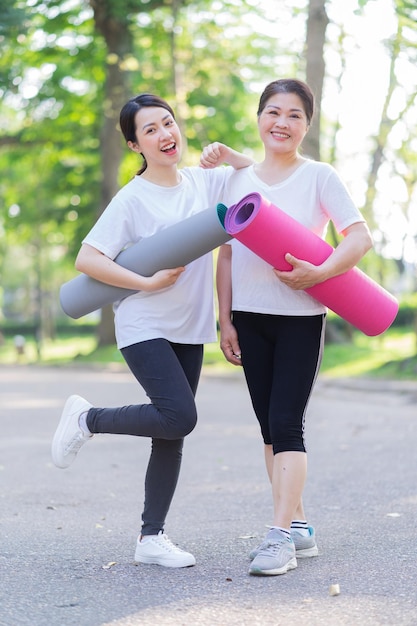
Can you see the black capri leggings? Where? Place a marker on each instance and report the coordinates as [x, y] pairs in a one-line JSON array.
[[281, 357]]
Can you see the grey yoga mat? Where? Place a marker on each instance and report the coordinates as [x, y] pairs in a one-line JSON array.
[[175, 246]]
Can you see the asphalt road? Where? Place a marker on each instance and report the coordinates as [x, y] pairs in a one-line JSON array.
[[67, 537]]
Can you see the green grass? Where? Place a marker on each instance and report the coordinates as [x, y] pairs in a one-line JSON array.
[[60, 351], [392, 355]]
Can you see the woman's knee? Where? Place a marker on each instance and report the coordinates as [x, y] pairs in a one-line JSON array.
[[183, 422]]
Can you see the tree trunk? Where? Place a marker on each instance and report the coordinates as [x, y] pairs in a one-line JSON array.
[[315, 68], [115, 30]]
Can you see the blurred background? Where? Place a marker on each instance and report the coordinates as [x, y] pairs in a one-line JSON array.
[[68, 66]]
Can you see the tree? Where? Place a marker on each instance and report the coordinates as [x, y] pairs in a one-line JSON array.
[[317, 22]]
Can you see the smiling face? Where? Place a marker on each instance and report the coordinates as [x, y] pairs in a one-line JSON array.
[[283, 123], [158, 137]]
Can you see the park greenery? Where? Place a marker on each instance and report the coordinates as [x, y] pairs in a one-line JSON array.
[[66, 68], [391, 355]]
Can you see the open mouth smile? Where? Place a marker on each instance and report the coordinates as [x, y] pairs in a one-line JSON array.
[[170, 147]]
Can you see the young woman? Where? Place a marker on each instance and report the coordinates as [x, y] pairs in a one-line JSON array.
[[267, 322], [161, 329]]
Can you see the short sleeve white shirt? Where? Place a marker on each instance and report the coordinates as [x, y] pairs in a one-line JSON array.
[[183, 312], [313, 195]]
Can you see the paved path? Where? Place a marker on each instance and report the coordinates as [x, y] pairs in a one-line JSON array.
[[67, 536]]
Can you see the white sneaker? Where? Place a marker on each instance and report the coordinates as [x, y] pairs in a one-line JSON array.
[[69, 437], [158, 549]]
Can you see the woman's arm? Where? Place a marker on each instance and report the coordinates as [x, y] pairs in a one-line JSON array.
[[217, 153], [228, 336], [94, 263], [356, 242]]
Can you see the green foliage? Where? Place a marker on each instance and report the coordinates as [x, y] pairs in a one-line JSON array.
[[51, 100], [407, 10], [407, 314], [13, 18]]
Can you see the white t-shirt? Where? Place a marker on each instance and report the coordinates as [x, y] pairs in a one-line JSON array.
[[313, 195], [183, 312]]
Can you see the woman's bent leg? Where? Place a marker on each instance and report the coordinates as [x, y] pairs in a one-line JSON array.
[[166, 455], [171, 414]]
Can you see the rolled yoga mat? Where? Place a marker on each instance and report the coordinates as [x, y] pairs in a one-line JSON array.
[[270, 233], [175, 246]]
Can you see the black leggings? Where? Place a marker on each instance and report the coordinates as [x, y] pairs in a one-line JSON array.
[[281, 356], [169, 374]]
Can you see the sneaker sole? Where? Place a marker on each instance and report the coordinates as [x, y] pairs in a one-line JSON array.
[[152, 561], [292, 564], [300, 554], [307, 553]]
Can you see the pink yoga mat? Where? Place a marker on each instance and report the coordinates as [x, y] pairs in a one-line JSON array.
[[270, 233]]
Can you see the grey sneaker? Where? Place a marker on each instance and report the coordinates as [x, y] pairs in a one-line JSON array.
[[69, 437], [305, 546], [160, 550], [276, 556]]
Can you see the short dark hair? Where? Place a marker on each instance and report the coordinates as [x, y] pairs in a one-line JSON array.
[[289, 85], [128, 114]]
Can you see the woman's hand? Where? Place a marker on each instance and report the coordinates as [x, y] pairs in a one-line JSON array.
[[213, 155], [229, 344], [161, 279], [302, 276], [356, 242]]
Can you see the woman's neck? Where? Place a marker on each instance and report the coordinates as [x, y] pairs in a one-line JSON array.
[[164, 177], [277, 168]]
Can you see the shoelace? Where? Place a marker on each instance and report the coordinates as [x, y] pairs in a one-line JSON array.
[[167, 544], [274, 546]]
